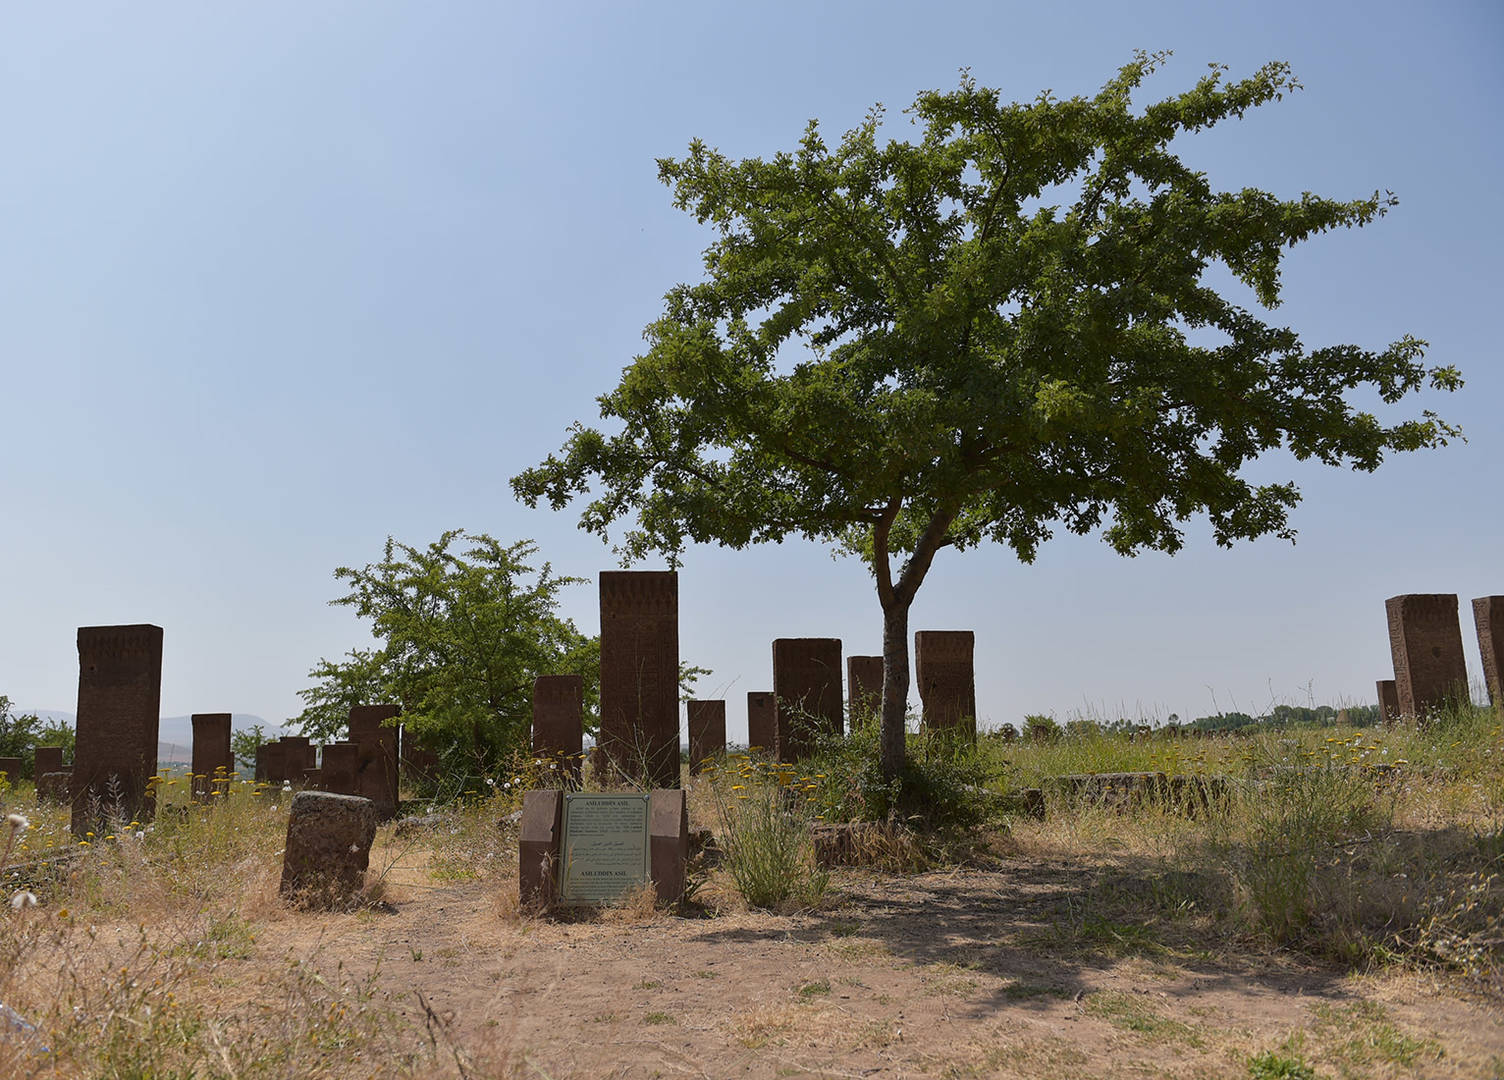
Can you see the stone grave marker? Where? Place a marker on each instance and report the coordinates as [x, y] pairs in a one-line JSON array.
[[211, 751], [947, 681], [707, 732], [49, 759], [340, 763], [1488, 617], [1389, 702], [119, 702], [328, 848], [639, 733], [11, 768], [807, 689], [376, 755], [1425, 639], [864, 689], [559, 721], [762, 722]]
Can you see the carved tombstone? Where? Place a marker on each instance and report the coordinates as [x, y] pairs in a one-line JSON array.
[[559, 722], [10, 768], [49, 759], [1389, 702], [119, 701], [864, 689], [328, 848], [211, 751], [1425, 639], [707, 732], [640, 674], [376, 755], [807, 686], [339, 771], [52, 778], [762, 722], [947, 681], [1488, 616]]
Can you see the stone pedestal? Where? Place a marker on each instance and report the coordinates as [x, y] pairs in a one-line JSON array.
[[807, 686], [328, 849], [707, 732], [640, 674], [1425, 639], [947, 682], [211, 754], [119, 702], [864, 689], [559, 722]]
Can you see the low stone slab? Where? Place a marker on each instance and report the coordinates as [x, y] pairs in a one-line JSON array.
[[328, 849], [1126, 791], [55, 787]]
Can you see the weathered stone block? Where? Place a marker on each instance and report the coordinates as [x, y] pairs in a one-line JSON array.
[[211, 752], [1425, 639], [707, 732], [541, 828], [1389, 702], [864, 688], [55, 786], [49, 759], [119, 702], [947, 682], [1488, 617], [762, 722], [640, 674], [328, 849], [340, 768], [668, 843], [807, 686], [559, 721]]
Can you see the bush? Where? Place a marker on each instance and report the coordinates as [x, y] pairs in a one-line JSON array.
[[764, 830]]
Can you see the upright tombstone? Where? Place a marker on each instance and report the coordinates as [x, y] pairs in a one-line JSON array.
[[1488, 616], [298, 756], [1389, 702], [10, 768], [328, 849], [1425, 639], [864, 688], [119, 701], [49, 759], [807, 686], [947, 681], [339, 771], [762, 722], [559, 721], [707, 732], [640, 674], [211, 751], [376, 755]]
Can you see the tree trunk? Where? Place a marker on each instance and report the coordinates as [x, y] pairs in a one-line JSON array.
[[895, 686]]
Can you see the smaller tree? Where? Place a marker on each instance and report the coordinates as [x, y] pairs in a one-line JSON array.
[[244, 744], [462, 635], [17, 734]]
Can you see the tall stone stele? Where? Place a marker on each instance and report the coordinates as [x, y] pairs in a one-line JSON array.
[[1425, 640], [707, 732], [376, 744], [947, 681], [1488, 616], [211, 753], [559, 722], [639, 736], [807, 686], [115, 741], [762, 722], [864, 689]]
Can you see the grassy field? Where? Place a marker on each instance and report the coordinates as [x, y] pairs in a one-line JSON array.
[[161, 950]]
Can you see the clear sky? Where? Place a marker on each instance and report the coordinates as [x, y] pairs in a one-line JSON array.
[[280, 279]]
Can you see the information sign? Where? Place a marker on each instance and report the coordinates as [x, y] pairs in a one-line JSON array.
[[604, 847]]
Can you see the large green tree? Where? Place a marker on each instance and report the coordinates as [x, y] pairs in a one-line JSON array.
[[463, 627], [1011, 325]]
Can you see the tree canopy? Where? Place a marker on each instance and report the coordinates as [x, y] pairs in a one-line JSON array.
[[1002, 328], [462, 635]]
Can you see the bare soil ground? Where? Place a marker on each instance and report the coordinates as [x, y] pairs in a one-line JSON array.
[[1036, 968]]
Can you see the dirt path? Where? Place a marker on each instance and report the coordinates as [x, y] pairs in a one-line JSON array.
[[1037, 971]]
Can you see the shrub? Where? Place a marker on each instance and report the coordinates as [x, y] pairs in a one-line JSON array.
[[764, 830]]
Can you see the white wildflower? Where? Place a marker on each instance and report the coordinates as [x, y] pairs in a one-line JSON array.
[[23, 899], [17, 822]]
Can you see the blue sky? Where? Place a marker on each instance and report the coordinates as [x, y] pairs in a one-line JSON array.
[[278, 280]]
